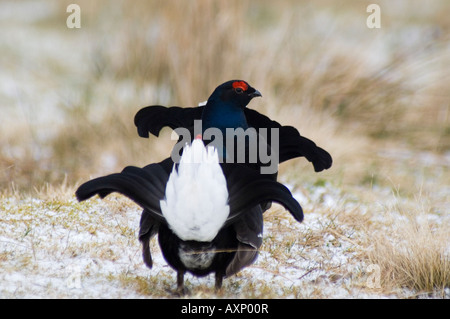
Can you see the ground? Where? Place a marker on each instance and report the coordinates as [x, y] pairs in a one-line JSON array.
[[59, 248]]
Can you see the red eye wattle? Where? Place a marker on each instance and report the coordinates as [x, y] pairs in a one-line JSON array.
[[241, 85]]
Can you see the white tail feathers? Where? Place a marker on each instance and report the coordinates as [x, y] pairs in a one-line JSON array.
[[196, 199]]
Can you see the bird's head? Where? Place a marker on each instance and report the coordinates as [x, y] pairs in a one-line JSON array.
[[238, 92]]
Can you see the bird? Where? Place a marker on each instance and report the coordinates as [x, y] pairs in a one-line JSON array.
[[227, 108], [190, 247], [207, 214]]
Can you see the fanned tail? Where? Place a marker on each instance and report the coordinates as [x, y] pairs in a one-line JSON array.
[[248, 189], [145, 186]]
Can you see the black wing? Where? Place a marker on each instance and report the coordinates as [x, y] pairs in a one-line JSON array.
[[249, 229], [291, 143], [153, 118], [247, 190]]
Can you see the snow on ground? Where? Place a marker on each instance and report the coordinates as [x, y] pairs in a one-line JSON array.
[[65, 249]]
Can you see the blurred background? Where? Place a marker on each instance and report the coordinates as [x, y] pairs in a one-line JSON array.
[[377, 99]]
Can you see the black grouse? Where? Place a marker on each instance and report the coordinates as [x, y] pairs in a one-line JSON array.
[[196, 230], [227, 108], [207, 214]]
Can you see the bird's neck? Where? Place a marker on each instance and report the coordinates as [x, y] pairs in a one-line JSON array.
[[223, 115]]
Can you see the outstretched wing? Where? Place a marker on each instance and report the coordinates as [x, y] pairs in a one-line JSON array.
[[153, 118], [291, 143]]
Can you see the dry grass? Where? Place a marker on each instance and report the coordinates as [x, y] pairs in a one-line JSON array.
[[167, 53], [420, 263], [376, 99], [416, 255]]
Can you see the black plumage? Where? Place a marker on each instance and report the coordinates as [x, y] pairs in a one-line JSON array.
[[236, 244], [152, 119], [250, 193]]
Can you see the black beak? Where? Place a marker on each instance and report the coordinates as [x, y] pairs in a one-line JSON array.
[[255, 94]]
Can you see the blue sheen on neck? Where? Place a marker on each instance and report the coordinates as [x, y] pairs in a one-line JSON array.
[[223, 115]]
